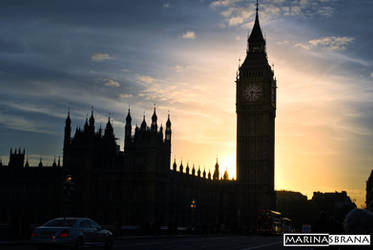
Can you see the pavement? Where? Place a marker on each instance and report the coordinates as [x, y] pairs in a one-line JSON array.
[[179, 242]]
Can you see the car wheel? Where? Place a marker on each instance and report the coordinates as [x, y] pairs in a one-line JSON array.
[[108, 244], [79, 243]]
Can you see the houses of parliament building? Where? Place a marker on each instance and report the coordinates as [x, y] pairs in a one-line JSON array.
[[141, 185]]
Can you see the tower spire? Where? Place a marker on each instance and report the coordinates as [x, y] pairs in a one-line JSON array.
[[128, 130], [256, 42], [92, 122], [257, 6], [154, 125]]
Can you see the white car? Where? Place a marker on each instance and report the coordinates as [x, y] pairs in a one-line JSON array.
[[71, 232]]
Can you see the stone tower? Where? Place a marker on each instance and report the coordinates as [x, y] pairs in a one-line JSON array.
[[256, 111]]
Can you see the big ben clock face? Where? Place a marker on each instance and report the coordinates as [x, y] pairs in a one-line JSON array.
[[252, 93]]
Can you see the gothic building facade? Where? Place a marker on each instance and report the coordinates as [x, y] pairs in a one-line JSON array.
[[139, 185]]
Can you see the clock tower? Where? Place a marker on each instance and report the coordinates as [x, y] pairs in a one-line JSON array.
[[256, 111]]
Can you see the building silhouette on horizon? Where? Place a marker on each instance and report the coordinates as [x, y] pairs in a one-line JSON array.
[[140, 186]]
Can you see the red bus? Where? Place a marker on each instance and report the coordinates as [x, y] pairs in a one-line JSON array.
[[269, 222]]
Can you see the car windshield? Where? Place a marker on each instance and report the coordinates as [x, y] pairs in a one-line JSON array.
[[60, 223]]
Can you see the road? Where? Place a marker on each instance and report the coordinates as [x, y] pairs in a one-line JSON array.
[[188, 242]]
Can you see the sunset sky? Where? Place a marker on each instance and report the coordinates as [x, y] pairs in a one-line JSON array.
[[183, 56]]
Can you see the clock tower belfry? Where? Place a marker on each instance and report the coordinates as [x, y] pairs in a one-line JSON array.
[[256, 111]]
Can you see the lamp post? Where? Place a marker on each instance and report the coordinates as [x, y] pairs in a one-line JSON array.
[[68, 189], [193, 206]]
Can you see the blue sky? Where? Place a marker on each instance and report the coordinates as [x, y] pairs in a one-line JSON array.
[[182, 56]]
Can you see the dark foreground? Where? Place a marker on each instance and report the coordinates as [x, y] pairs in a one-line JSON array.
[[187, 242]]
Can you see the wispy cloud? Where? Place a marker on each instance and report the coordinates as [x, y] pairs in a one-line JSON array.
[[223, 3], [241, 13], [328, 42], [188, 35], [112, 83], [166, 5], [145, 79], [99, 57], [371, 74], [20, 123], [124, 96], [179, 68]]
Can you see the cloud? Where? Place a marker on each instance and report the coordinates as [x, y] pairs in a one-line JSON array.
[[179, 68], [223, 3], [99, 57], [303, 46], [188, 35], [21, 123], [240, 13], [124, 96], [112, 83], [145, 79], [166, 5], [235, 21], [371, 74], [328, 42]]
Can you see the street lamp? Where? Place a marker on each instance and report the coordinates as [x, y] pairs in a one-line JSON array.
[[69, 189], [193, 206]]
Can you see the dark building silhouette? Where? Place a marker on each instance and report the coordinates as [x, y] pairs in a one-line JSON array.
[[325, 211], [137, 186], [332, 209], [256, 111], [29, 195], [295, 205], [369, 192]]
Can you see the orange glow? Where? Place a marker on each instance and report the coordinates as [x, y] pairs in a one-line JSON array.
[[310, 153]]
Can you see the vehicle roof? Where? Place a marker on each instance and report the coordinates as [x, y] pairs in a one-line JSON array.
[[71, 218]]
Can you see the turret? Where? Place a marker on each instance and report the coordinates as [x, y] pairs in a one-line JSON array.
[[16, 158], [40, 163], [225, 176], [136, 130], [128, 130], [204, 173], [27, 164], [199, 172], [168, 130], [143, 125], [193, 171], [187, 168], [181, 167], [86, 126], [54, 162], [92, 123], [209, 175], [109, 132], [174, 166], [216, 171], [161, 132], [154, 125]]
